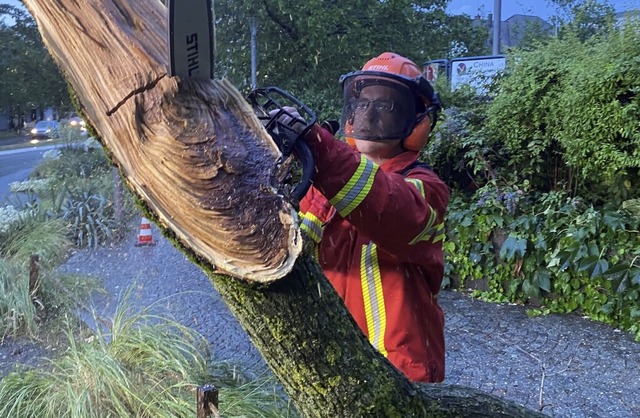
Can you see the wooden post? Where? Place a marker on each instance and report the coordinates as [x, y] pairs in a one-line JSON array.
[[34, 273], [207, 401]]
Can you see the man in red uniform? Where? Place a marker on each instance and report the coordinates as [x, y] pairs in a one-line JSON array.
[[376, 214]]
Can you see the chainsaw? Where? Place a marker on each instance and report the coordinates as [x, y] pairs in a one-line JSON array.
[[270, 105], [191, 48]]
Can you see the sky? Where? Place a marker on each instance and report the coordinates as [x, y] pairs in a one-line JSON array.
[[509, 8]]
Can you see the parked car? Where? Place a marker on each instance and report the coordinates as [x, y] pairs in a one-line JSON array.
[[45, 129]]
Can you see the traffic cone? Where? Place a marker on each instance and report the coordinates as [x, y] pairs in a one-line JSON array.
[[145, 237]]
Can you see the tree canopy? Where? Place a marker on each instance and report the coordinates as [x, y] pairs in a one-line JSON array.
[[29, 77], [304, 47]]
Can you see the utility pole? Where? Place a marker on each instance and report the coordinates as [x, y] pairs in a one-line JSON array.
[[254, 30], [497, 21]]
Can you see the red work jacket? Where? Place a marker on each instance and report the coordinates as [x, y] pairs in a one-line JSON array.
[[379, 232]]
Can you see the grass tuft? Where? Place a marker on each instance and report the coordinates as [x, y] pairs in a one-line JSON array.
[[143, 365]]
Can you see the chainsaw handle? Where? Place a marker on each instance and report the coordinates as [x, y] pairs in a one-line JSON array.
[[303, 152], [269, 105]]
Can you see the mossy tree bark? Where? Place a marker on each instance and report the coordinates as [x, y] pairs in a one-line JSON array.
[[326, 364], [206, 173]]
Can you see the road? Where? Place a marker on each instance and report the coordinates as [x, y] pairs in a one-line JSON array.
[[16, 165]]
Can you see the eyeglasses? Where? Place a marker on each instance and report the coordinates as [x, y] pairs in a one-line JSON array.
[[360, 105]]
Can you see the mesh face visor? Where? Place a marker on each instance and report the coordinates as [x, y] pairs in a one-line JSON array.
[[377, 108]]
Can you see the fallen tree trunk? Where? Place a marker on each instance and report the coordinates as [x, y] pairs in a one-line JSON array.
[[206, 172]]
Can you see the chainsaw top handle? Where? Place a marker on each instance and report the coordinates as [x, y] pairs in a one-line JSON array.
[[266, 100]]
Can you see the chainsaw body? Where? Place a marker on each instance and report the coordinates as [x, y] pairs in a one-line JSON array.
[[269, 105]]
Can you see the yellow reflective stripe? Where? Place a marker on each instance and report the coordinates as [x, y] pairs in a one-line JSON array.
[[419, 185], [440, 233], [373, 297], [428, 229], [312, 226], [356, 189]]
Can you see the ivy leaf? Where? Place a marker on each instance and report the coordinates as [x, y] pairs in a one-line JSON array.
[[529, 289], [566, 259], [618, 272], [607, 308], [512, 246], [541, 243], [475, 257], [635, 272], [601, 266], [613, 221], [623, 285], [543, 278], [595, 264], [466, 222], [588, 263]]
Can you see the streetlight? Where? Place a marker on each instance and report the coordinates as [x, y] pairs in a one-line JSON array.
[[497, 21]]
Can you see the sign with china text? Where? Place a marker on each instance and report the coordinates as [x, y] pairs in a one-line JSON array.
[[477, 72]]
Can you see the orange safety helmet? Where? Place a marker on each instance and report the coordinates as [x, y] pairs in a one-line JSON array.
[[413, 99]]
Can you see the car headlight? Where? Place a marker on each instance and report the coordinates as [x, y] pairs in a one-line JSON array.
[[34, 131]]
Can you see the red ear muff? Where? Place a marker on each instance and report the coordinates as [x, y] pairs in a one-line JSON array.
[[419, 137]]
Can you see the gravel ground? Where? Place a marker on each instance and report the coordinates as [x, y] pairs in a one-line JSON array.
[[569, 365]]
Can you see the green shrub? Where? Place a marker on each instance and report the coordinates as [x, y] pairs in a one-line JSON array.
[[76, 185], [559, 252], [567, 116]]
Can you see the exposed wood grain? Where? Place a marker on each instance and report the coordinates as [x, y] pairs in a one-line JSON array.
[[192, 150]]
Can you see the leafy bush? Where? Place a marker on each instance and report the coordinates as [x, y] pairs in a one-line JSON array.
[[559, 252], [76, 185], [75, 165], [545, 171], [567, 116]]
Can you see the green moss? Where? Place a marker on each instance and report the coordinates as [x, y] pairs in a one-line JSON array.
[[333, 353]]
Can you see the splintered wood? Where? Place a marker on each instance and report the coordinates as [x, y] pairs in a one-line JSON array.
[[192, 150]]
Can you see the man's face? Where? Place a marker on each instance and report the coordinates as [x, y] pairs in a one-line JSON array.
[[377, 108], [376, 111]]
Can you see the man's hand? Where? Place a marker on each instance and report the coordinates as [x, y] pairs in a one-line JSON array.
[[290, 117]]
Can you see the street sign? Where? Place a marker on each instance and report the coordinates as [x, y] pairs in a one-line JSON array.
[[477, 72], [433, 69]]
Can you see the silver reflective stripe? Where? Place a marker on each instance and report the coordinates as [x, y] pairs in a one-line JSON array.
[[373, 297]]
